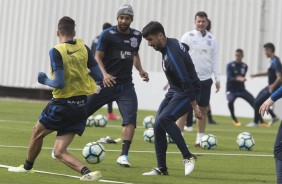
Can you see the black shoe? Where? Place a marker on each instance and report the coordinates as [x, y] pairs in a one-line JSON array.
[[212, 122]]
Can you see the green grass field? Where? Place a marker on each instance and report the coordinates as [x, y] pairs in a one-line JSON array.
[[17, 117]]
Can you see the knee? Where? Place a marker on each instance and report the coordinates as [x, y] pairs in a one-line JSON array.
[[37, 133], [58, 153]]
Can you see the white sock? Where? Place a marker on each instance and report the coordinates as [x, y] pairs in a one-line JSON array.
[[199, 138]]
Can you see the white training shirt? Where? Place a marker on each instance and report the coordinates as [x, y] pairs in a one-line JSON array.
[[203, 51]]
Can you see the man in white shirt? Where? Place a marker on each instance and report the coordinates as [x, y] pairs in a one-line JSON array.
[[203, 51]]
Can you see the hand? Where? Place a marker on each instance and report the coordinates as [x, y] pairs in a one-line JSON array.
[[241, 79], [217, 86], [271, 88], [253, 75], [265, 106], [41, 77], [109, 80], [144, 75], [197, 112]]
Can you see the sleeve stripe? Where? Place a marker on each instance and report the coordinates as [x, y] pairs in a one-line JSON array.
[[175, 64], [53, 64], [100, 38]]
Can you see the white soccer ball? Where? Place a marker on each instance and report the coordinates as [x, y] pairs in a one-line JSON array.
[[209, 142], [90, 121], [169, 139], [149, 135], [242, 134], [149, 121], [93, 152], [100, 120], [245, 142]]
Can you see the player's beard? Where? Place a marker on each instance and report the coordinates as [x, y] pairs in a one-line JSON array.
[[123, 27]]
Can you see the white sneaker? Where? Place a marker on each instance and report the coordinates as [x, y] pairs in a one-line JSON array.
[[189, 165], [272, 121], [20, 169], [252, 124], [188, 129], [93, 176], [123, 161], [53, 155], [155, 172]]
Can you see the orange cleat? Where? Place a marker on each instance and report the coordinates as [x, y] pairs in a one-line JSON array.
[[237, 124]]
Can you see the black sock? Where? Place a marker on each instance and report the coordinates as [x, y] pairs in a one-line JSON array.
[[125, 147], [209, 114], [162, 169], [85, 170], [28, 165]]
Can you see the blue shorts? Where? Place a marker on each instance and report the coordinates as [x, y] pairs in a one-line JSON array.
[[125, 97], [203, 95], [65, 115]]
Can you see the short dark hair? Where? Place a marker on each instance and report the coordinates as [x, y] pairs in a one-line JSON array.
[[66, 26], [106, 25], [240, 51], [269, 46], [201, 14], [209, 25], [152, 28]]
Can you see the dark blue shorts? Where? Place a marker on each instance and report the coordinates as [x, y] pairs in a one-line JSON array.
[[125, 97], [65, 115], [203, 95]]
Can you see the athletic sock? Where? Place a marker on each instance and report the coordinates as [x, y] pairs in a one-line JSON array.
[[28, 165], [199, 137], [85, 170], [209, 116], [125, 147]]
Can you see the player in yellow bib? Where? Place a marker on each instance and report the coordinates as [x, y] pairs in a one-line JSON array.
[[73, 71]]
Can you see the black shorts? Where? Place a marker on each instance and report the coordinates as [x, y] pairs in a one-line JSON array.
[[65, 115], [125, 97], [203, 95]]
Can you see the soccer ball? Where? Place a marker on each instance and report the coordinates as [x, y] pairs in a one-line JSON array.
[[90, 121], [149, 135], [245, 142], [100, 120], [93, 152], [242, 134], [149, 121], [209, 142], [169, 139]]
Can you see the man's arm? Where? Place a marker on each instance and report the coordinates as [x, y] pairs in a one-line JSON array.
[[138, 66], [215, 68], [275, 83], [58, 81], [108, 79], [92, 65], [261, 74]]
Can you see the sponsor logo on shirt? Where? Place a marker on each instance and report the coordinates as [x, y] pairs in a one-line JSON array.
[[163, 63], [133, 42], [125, 54]]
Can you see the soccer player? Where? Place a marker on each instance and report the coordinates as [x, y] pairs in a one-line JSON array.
[[235, 88], [116, 53], [183, 80], [111, 115], [274, 74], [203, 51], [66, 112], [278, 143]]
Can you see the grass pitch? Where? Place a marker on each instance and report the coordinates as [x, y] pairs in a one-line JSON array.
[[225, 165]]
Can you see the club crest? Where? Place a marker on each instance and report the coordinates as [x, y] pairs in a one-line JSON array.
[[133, 42]]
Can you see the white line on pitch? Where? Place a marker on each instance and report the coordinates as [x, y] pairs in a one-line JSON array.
[[136, 151], [66, 175]]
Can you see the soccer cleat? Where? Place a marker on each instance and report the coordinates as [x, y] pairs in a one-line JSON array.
[[93, 176], [20, 169], [272, 121], [112, 116], [155, 172], [189, 164], [263, 124], [212, 122], [252, 124], [237, 124], [188, 129], [123, 161]]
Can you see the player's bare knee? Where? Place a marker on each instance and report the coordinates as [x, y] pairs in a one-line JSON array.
[[58, 153]]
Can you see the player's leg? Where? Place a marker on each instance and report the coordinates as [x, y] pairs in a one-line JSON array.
[[209, 116], [262, 96], [61, 153], [203, 102], [160, 143], [189, 121], [127, 104], [278, 154], [181, 122], [35, 145], [231, 97]]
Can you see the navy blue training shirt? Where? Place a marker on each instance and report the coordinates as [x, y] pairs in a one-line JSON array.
[[275, 67], [233, 71], [119, 50], [179, 68]]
